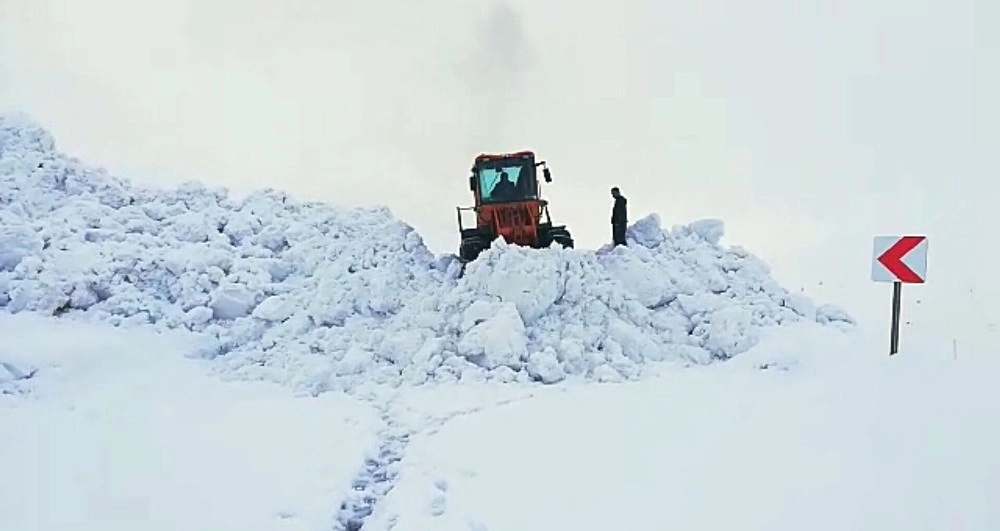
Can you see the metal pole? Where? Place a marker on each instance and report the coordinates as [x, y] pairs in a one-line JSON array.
[[897, 289]]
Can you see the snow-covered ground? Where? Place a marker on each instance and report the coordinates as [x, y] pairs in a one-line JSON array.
[[105, 428], [111, 428], [832, 435], [670, 383]]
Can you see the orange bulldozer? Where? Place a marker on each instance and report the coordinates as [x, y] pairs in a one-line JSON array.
[[508, 204]]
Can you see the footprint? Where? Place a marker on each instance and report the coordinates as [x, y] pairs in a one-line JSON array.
[[438, 502]]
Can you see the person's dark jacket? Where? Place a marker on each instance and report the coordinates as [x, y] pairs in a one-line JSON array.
[[619, 214], [504, 191]]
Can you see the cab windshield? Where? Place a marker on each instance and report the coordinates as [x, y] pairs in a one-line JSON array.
[[510, 180]]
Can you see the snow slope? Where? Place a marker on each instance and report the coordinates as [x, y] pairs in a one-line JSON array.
[[834, 435], [323, 298], [110, 428]]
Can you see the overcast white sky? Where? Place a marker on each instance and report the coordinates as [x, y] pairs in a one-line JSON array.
[[808, 127]]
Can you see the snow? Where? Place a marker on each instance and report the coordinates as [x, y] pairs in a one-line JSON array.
[[835, 436], [669, 383], [110, 428], [326, 298]]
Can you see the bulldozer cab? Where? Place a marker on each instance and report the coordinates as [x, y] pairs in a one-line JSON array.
[[505, 178]]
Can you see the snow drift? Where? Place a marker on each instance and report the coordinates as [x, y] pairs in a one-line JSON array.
[[324, 298]]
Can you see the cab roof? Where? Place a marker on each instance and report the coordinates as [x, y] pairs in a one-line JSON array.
[[486, 157]]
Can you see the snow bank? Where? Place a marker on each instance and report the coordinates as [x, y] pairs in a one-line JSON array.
[[323, 298]]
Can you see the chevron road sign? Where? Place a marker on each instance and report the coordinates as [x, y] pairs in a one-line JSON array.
[[900, 260]]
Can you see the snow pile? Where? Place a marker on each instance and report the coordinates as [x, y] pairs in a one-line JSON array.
[[326, 298]]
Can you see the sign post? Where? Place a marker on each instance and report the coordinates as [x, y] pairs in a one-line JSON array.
[[900, 260]]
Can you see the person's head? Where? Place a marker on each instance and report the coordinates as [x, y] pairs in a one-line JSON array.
[[615, 193], [504, 176]]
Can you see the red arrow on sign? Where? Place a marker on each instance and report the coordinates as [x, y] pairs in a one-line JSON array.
[[892, 258]]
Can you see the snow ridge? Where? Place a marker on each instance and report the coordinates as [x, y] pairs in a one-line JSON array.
[[323, 298]]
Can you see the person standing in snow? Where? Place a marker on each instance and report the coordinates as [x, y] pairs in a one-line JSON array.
[[619, 217]]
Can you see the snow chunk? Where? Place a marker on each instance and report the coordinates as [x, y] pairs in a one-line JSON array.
[[711, 230], [499, 340], [232, 301], [828, 313], [277, 308], [728, 332], [512, 274], [544, 366], [15, 244]]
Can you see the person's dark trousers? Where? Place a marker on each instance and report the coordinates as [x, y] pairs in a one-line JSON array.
[[618, 233]]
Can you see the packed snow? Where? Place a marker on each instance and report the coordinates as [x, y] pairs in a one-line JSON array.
[[324, 298], [111, 428]]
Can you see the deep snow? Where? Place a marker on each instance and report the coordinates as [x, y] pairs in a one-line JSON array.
[[115, 422], [320, 298], [108, 428], [119, 430]]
